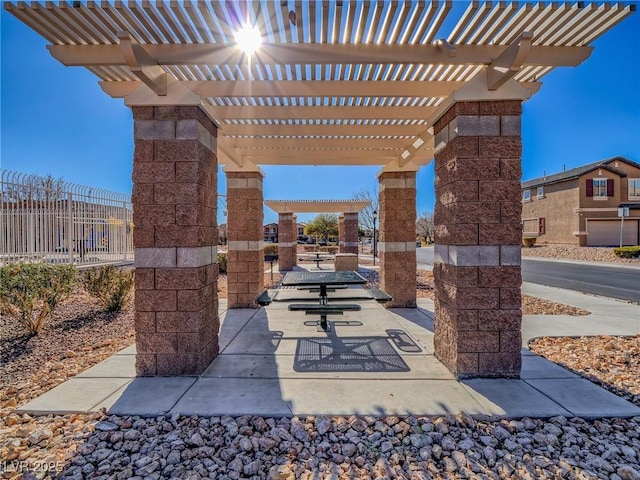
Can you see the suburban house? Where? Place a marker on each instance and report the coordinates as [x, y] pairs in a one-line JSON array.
[[583, 206], [270, 232]]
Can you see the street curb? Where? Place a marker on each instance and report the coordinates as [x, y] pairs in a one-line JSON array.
[[583, 262]]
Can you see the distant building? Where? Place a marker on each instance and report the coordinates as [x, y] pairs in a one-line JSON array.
[[270, 232], [580, 206]]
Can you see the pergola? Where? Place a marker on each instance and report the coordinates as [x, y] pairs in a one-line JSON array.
[[286, 209], [388, 83]]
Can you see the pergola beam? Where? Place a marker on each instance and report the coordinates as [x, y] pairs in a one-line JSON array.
[[294, 88], [318, 157], [142, 65], [317, 54], [317, 142], [509, 62], [306, 130], [249, 112]]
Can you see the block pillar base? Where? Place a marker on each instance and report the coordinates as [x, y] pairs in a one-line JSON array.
[[286, 242], [478, 234], [349, 233], [174, 205], [245, 259], [397, 240]]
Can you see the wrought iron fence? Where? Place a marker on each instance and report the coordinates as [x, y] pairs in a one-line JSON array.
[[48, 220]]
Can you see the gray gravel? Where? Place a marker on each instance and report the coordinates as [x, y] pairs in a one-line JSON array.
[[416, 448]]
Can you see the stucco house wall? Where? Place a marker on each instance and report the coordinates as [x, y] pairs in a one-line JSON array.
[[573, 210]]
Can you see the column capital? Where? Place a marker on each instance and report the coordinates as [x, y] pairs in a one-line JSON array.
[[247, 167]]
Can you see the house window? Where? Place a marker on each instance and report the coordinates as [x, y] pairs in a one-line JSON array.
[[599, 188], [634, 188], [540, 192], [526, 195]]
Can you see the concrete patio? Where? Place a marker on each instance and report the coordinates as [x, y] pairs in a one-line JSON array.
[[374, 362]]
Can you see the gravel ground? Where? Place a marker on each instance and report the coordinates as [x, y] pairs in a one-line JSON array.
[[451, 447], [573, 252]]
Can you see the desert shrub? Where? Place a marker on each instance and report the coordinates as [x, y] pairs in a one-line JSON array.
[[528, 242], [110, 285], [271, 249], [222, 262], [30, 292], [627, 252]]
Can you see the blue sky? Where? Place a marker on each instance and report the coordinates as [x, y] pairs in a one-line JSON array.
[[56, 120]]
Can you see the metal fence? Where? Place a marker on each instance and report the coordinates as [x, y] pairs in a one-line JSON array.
[[44, 219]]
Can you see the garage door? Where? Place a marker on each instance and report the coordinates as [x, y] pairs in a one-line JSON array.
[[606, 233]]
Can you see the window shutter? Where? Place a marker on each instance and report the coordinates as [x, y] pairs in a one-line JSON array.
[[609, 187], [541, 226], [589, 187]]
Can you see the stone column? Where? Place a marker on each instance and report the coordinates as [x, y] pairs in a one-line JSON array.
[[397, 237], [285, 242], [341, 233], [245, 260], [349, 235], [175, 238], [294, 222], [478, 234]]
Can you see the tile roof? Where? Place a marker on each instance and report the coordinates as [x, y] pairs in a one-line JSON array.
[[578, 171]]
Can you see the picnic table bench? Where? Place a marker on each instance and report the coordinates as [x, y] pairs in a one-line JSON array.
[[323, 310]]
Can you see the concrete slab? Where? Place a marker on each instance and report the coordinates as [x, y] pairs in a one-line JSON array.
[[534, 326], [233, 396], [118, 366], [232, 322], [150, 396], [585, 399], [535, 367], [417, 323], [382, 397], [375, 361], [75, 396], [130, 350], [512, 398], [289, 367]]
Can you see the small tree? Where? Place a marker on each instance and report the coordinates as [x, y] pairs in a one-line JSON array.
[[425, 227], [323, 226], [30, 292], [365, 218]]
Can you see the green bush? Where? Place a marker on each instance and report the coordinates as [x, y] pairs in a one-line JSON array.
[[222, 262], [30, 292], [271, 249], [627, 252], [111, 286], [528, 242]]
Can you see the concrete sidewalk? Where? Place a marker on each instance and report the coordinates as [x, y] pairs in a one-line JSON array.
[[375, 362]]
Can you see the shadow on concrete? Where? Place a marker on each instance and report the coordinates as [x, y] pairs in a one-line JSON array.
[[347, 354]]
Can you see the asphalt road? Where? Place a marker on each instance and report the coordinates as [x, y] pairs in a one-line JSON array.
[[607, 281]]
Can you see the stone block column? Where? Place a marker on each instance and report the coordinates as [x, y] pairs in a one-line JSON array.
[[174, 205], [245, 259], [349, 234], [294, 222], [478, 234], [397, 237], [286, 241], [341, 232]]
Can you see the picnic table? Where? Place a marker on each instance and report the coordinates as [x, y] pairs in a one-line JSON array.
[[319, 258], [323, 281]]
